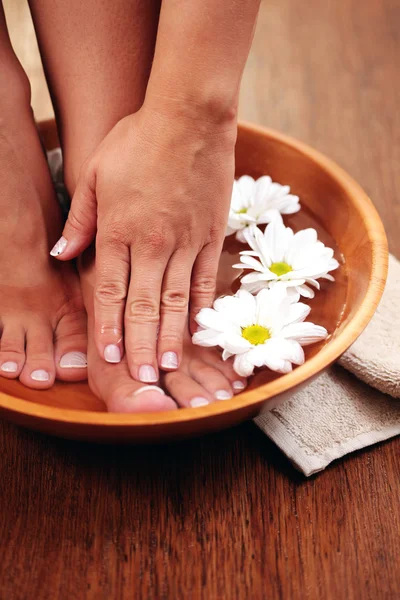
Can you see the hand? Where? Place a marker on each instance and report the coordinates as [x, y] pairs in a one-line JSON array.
[[157, 190]]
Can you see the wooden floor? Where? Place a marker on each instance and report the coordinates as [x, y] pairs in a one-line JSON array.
[[226, 517]]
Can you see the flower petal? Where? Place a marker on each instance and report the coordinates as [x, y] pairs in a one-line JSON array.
[[243, 366], [304, 333]]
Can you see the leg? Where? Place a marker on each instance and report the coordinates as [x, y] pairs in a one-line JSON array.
[[42, 318], [97, 58]]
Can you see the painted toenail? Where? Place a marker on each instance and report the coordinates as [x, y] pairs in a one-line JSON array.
[[149, 388], [40, 375], [223, 395], [59, 247], [238, 385], [112, 354], [74, 360], [169, 360], [147, 374], [198, 401], [9, 367]]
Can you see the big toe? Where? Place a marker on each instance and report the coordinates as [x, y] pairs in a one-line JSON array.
[[71, 347], [149, 398]]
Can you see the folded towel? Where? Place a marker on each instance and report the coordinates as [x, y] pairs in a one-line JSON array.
[[338, 413]]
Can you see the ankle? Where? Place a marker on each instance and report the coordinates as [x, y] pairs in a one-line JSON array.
[[15, 92]]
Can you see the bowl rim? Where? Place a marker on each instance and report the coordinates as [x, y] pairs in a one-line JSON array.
[[257, 396]]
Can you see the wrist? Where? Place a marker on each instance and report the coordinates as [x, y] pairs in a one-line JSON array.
[[205, 111]]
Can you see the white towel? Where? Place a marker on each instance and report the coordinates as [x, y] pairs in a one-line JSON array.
[[339, 413]]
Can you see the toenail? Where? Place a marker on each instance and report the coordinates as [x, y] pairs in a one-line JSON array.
[[59, 247], [238, 385], [223, 395], [73, 360], [147, 374], [40, 375], [112, 353], [149, 388], [9, 367], [198, 401], [169, 360]]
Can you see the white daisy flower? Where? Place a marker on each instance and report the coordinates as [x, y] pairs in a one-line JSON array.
[[263, 330], [258, 202], [279, 256]]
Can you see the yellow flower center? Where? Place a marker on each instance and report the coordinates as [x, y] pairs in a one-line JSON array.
[[280, 268], [256, 334], [242, 211]]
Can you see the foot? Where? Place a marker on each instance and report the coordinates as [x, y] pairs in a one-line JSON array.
[[42, 317], [203, 377], [113, 382]]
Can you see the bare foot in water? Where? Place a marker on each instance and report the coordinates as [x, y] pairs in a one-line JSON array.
[[203, 377], [42, 317]]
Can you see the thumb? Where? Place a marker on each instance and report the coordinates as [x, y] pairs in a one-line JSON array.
[[80, 228]]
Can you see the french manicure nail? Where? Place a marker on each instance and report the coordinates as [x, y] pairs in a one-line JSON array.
[[147, 374], [238, 385], [169, 360], [112, 353], [223, 395], [59, 247], [9, 367], [40, 375], [198, 401], [149, 388], [73, 360]]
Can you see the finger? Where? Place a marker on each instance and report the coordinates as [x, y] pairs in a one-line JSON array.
[[204, 281], [111, 284], [174, 310], [142, 314], [80, 228]]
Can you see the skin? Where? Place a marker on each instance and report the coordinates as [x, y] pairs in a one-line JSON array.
[[42, 317], [56, 305], [148, 191]]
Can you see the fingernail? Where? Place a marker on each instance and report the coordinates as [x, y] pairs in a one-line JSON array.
[[147, 374], [59, 247], [112, 353], [149, 388], [223, 395], [169, 360], [9, 367], [238, 385], [73, 360], [198, 401], [40, 375]]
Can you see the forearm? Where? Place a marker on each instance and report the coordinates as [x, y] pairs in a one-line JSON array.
[[201, 51]]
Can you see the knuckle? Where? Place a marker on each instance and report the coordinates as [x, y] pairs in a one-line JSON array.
[[204, 286], [110, 293], [156, 242], [143, 310], [174, 301], [78, 220], [142, 348], [171, 337]]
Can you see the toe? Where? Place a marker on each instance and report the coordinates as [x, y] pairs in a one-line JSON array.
[[211, 379], [186, 390], [12, 350], [148, 398], [71, 347], [237, 383], [39, 369]]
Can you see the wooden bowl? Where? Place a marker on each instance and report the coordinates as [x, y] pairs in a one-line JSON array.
[[345, 219]]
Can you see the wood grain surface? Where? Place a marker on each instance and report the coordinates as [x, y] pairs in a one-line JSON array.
[[226, 516]]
